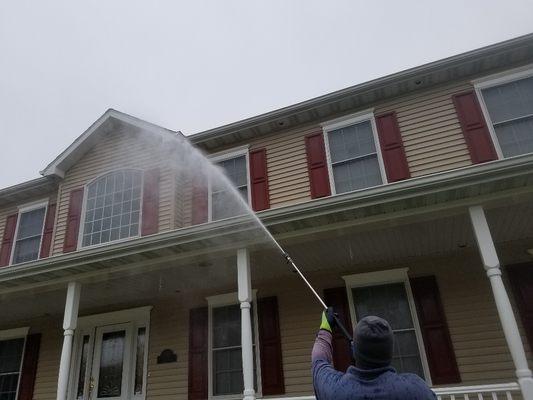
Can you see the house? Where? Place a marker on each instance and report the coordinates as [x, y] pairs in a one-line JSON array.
[[409, 196]]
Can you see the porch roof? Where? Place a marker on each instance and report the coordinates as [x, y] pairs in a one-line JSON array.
[[447, 193]]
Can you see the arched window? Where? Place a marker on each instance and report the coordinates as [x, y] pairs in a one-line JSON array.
[[112, 207]]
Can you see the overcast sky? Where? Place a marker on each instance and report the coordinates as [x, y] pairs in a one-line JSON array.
[[193, 65]]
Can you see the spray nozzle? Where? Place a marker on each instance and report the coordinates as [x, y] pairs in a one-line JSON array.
[[287, 257]]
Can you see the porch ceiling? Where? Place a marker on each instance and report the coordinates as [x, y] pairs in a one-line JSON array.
[[397, 242], [398, 216]]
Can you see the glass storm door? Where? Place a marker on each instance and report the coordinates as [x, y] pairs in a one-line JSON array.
[[110, 374]]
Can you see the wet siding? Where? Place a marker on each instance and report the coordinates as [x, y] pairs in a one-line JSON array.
[[117, 150]]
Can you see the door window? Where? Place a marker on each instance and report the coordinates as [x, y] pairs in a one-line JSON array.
[[111, 364]]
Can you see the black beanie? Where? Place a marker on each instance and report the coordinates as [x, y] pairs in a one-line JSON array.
[[373, 341]]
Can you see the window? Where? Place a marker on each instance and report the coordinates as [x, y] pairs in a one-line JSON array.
[[11, 352], [509, 104], [29, 233], [222, 201], [112, 207], [386, 294], [226, 375], [353, 157]]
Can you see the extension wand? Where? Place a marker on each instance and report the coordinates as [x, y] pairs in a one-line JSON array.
[[324, 306]]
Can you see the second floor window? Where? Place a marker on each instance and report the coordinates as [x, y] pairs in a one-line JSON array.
[[510, 108], [353, 156], [223, 202], [112, 207], [29, 234]]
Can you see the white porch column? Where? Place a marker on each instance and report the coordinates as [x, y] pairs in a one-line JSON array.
[[70, 322], [245, 298], [505, 311]]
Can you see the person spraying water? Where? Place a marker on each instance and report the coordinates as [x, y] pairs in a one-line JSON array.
[[372, 377]]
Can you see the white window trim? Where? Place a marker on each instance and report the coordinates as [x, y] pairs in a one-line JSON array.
[[347, 120], [228, 299], [496, 80], [223, 156], [34, 205], [139, 317], [84, 208], [398, 275], [17, 333]]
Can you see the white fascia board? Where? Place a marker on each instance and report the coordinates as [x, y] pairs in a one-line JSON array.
[[83, 143]]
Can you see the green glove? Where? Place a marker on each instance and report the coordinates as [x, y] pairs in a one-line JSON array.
[[328, 320]]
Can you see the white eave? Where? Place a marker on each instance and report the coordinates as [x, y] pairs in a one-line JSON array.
[[111, 120]]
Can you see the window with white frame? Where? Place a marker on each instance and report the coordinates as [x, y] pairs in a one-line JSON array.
[[353, 154], [222, 199], [112, 207], [387, 294], [509, 104], [226, 374], [11, 353], [29, 233]]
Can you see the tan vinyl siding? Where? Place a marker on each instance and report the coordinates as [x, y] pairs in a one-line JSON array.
[[116, 150], [168, 330], [48, 366], [430, 130], [287, 167]]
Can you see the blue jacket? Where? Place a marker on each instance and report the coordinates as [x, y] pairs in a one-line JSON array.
[[357, 384]]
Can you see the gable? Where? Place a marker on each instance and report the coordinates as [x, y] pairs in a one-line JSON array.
[[121, 149]]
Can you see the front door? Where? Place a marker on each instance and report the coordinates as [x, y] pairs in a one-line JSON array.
[[521, 279], [109, 362]]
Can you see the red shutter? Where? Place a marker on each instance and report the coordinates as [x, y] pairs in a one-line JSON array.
[[474, 127], [392, 149], [521, 279], [317, 165], [198, 366], [150, 209], [48, 230], [437, 341], [337, 298], [259, 180], [8, 239], [272, 380], [199, 200], [29, 367], [73, 220]]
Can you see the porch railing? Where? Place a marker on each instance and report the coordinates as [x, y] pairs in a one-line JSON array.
[[499, 391]]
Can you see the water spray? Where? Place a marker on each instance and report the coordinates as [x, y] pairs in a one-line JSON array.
[[194, 161]]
